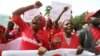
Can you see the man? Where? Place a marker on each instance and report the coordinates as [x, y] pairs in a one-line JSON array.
[[8, 34], [33, 37], [51, 28], [66, 38], [37, 4], [90, 37]]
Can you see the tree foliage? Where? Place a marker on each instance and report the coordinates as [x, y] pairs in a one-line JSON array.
[[79, 20]]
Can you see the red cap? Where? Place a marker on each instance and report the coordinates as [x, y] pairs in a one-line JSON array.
[[91, 15]]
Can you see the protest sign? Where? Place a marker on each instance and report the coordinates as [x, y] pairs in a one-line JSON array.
[[58, 52], [30, 14], [57, 8]]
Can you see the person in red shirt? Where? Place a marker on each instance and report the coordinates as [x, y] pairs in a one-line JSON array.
[[15, 33], [8, 34], [2, 37], [33, 37], [2, 34], [66, 38], [91, 40], [51, 27]]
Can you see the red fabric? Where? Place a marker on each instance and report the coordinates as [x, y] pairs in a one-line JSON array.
[[73, 44], [57, 55], [57, 30], [88, 16], [91, 14], [51, 32], [22, 25], [27, 33], [2, 28], [30, 46], [98, 48], [43, 22], [0, 52], [47, 31], [15, 33], [96, 35]]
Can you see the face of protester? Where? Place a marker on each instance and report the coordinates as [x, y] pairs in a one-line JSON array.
[[36, 23], [10, 25], [96, 22], [68, 27]]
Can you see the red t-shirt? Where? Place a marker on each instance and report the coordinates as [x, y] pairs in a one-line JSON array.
[[16, 33], [50, 33], [74, 43], [96, 35], [28, 41]]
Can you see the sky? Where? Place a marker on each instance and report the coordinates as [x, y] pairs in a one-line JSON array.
[[78, 6]]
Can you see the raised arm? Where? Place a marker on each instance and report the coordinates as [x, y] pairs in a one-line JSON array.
[[20, 11], [58, 18], [16, 18]]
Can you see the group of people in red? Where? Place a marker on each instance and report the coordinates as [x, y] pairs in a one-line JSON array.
[[44, 35]]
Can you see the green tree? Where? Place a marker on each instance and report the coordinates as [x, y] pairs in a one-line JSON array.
[[79, 20]]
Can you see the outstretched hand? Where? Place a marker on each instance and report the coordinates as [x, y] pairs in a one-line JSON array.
[[65, 9], [41, 50], [79, 51]]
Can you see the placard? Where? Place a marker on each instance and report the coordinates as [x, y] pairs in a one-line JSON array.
[[30, 14], [58, 52], [57, 8]]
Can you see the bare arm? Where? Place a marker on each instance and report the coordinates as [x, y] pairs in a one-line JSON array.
[[22, 10], [58, 18]]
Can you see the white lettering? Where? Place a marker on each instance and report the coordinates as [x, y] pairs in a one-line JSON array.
[[31, 41]]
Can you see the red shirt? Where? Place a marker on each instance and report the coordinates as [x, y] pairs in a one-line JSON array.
[[74, 43], [0, 52], [28, 41], [96, 35], [15, 33]]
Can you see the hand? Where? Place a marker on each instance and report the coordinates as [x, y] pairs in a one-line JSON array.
[[97, 43], [65, 9], [79, 47], [42, 50], [79, 51], [38, 4], [57, 40]]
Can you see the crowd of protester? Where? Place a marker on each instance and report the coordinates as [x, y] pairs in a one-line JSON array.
[[44, 34]]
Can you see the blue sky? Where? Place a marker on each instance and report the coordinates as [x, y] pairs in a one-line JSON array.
[[78, 6]]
